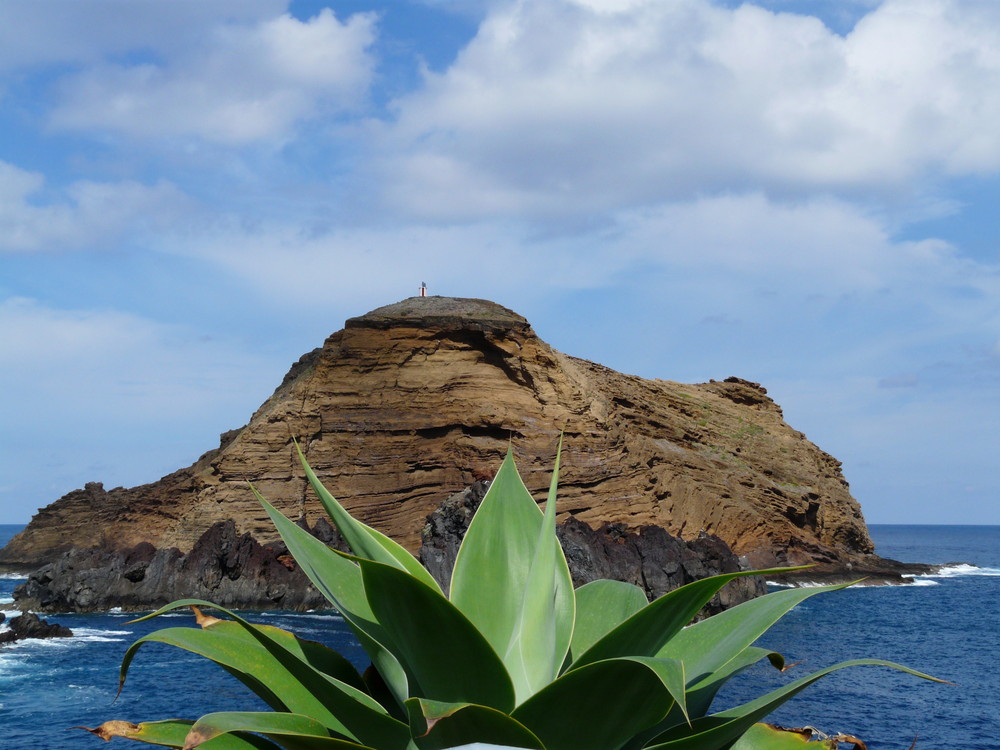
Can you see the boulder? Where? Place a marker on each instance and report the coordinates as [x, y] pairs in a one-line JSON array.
[[29, 625]]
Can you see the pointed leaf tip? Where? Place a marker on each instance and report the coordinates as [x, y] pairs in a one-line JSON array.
[[203, 620], [109, 729]]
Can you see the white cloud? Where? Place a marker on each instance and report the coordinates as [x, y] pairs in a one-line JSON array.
[[105, 395], [713, 253], [241, 82], [33, 35], [88, 214], [124, 368], [568, 108]]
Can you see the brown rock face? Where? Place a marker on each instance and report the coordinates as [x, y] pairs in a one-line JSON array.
[[417, 400]]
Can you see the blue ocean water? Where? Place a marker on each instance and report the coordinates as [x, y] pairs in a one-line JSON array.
[[948, 626]]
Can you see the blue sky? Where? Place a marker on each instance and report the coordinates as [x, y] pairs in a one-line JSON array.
[[803, 194]]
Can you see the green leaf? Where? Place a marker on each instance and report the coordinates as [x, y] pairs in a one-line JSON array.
[[707, 646], [715, 649], [291, 731], [721, 729], [172, 733], [701, 695], [339, 580], [700, 698], [601, 606], [492, 574], [600, 705], [365, 541], [275, 664], [437, 725], [651, 628], [544, 626], [446, 656]]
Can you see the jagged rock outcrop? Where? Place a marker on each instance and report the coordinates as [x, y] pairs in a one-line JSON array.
[[415, 401], [225, 567], [237, 572], [650, 558], [29, 625]]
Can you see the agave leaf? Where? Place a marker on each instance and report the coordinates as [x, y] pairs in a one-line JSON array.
[[172, 733], [543, 629], [437, 725], [722, 729], [492, 574], [715, 649], [700, 698], [600, 607], [274, 663], [291, 731], [442, 651], [707, 646], [339, 580], [600, 705], [234, 658], [365, 541], [650, 629], [771, 737]]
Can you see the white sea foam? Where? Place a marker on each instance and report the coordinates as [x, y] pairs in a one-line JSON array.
[[798, 585], [957, 570], [13, 577], [962, 569], [916, 581], [307, 615], [97, 634], [338, 618]]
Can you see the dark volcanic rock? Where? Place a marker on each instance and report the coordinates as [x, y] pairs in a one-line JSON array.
[[235, 571], [224, 567], [442, 535], [651, 559], [29, 625]]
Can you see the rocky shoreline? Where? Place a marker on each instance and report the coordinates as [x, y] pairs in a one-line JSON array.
[[870, 570], [237, 571]]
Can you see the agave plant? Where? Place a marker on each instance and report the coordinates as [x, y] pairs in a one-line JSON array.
[[512, 656]]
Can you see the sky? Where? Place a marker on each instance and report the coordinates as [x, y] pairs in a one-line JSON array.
[[801, 194]]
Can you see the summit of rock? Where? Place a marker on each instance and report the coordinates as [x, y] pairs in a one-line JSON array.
[[417, 400], [442, 312]]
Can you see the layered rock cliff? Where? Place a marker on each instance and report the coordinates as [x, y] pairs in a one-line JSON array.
[[417, 400]]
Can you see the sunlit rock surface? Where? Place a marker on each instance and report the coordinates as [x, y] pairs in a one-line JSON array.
[[417, 400]]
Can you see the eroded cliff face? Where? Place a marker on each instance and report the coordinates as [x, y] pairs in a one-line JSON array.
[[417, 400]]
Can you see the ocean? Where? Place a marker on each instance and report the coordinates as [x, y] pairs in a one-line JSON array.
[[947, 625]]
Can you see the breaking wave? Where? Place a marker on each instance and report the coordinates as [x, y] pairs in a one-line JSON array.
[[956, 570]]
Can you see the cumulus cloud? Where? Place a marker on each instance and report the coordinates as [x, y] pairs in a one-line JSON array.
[[241, 82], [572, 107], [714, 252], [84, 214]]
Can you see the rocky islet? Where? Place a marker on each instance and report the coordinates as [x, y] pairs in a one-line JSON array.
[[416, 401]]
